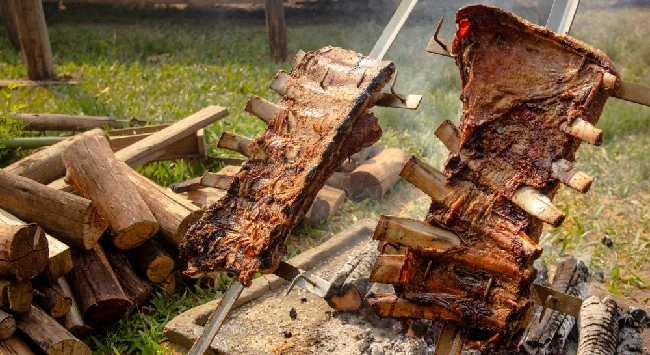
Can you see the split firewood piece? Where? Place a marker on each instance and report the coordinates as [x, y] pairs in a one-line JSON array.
[[96, 174], [426, 178], [45, 165], [50, 299], [583, 130], [235, 143], [261, 108], [187, 185], [145, 150], [327, 202], [15, 296], [73, 321], [15, 346], [23, 250], [538, 205], [190, 147], [598, 331], [351, 283], [549, 334], [373, 178], [204, 197], [135, 288], [72, 219], [216, 180], [337, 180], [414, 234], [96, 288], [134, 131], [173, 213], [151, 259], [562, 169], [451, 340], [7, 326], [48, 334], [60, 259]]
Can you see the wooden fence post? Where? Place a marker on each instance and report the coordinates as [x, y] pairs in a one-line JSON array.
[[34, 39], [9, 18], [276, 29]]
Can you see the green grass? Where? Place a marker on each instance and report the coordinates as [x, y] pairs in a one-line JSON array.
[[165, 64]]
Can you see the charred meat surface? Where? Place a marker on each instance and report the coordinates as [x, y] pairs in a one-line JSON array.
[[324, 119], [523, 88]]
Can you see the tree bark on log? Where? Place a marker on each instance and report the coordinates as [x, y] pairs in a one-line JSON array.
[[66, 122], [50, 299], [173, 213], [96, 288], [337, 180], [151, 259], [73, 321], [7, 325], [97, 175], [351, 283], [72, 219], [204, 197], [373, 178], [136, 289], [46, 165], [549, 335], [15, 296], [23, 250], [34, 39], [49, 335], [60, 259], [8, 10], [598, 332], [15, 346]]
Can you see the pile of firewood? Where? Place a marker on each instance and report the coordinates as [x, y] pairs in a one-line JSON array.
[[84, 250]]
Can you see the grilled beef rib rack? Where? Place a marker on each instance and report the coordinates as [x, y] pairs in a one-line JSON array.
[[323, 120], [530, 97]]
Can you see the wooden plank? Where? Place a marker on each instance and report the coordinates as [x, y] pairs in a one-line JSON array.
[[34, 39], [138, 152], [277, 29]]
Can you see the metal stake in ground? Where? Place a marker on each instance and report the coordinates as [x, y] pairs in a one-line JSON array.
[[218, 317]]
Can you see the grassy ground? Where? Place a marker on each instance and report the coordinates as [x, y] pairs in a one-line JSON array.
[[165, 64]]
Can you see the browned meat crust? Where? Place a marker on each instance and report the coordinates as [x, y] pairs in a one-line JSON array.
[[324, 120], [520, 83]]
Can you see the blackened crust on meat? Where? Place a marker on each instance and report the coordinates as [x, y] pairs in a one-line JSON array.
[[520, 83], [323, 121]]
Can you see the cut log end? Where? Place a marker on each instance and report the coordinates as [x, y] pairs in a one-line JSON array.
[[61, 308], [27, 253], [160, 269], [16, 296], [7, 325], [350, 301], [135, 235]]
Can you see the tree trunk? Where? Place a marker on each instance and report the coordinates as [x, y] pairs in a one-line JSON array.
[[71, 219], [173, 213], [48, 334], [96, 288], [50, 299], [97, 175], [351, 283], [8, 10], [23, 250], [151, 259], [277, 30], [15, 296], [136, 289], [373, 178], [34, 39], [598, 327], [7, 325], [73, 321], [60, 260], [46, 165]]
